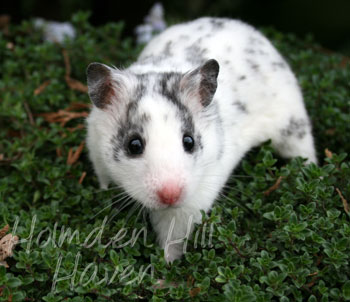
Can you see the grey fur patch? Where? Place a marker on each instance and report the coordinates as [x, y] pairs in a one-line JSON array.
[[198, 142], [250, 51], [256, 41], [117, 143], [296, 127], [150, 59], [280, 64], [240, 106], [195, 54], [156, 59], [141, 87], [133, 124], [253, 65], [242, 78], [167, 50], [184, 37], [169, 87], [217, 23]]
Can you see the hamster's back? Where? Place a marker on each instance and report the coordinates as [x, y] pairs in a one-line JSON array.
[[256, 87]]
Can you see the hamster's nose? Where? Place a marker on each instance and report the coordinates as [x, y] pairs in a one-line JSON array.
[[170, 193]]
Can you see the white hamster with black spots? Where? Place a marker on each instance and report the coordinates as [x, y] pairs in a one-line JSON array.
[[171, 128]]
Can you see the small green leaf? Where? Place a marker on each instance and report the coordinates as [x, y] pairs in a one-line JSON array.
[[14, 282], [346, 290]]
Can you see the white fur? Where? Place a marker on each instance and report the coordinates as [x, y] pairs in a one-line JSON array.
[[269, 93]]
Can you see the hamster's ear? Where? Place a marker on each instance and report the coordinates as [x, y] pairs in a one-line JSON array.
[[101, 86], [201, 83]]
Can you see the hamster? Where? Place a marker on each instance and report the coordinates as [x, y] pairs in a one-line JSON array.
[[171, 128]]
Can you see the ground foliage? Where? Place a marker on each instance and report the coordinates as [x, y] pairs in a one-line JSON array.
[[280, 232]]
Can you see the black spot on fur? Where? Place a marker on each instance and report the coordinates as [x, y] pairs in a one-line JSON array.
[[198, 142], [296, 127], [240, 106], [256, 41], [281, 65], [147, 60], [167, 50], [196, 54], [250, 51], [253, 65], [217, 23], [141, 87], [154, 59], [145, 118], [263, 53], [242, 78]]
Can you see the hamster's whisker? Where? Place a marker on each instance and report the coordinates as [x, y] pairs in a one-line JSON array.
[[212, 185], [235, 202], [107, 203], [139, 207], [128, 202], [110, 205], [232, 176], [108, 189], [140, 211], [241, 176], [209, 182], [132, 210], [236, 190], [122, 196], [129, 199]]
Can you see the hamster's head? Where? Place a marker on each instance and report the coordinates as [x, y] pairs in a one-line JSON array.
[[153, 134]]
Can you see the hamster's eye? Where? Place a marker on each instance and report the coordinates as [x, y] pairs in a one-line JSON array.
[[188, 143], [135, 146]]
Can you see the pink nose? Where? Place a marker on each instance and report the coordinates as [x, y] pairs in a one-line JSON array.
[[169, 193]]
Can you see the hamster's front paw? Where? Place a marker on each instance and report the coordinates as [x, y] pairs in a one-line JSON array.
[[173, 252]]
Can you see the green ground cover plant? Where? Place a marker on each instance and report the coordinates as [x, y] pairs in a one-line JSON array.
[[279, 232]]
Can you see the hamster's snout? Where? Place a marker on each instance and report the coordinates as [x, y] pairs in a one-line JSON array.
[[170, 193]]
